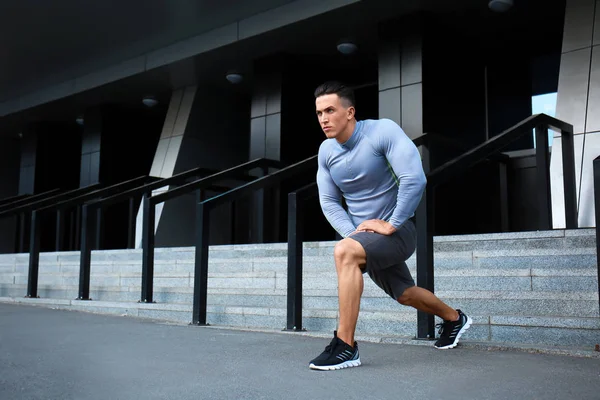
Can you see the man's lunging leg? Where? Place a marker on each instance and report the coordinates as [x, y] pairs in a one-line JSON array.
[[455, 321], [342, 352], [424, 300], [349, 256]]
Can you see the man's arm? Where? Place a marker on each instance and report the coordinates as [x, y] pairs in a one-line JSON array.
[[405, 160], [330, 198]]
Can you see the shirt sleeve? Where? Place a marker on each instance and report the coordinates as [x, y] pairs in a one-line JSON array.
[[405, 161], [330, 197]]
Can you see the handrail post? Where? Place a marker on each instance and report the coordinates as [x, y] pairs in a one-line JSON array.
[[568, 159], [99, 228], [201, 264], [85, 254], [131, 224], [425, 267], [60, 229], [149, 212], [597, 215], [34, 256], [543, 178], [294, 284]]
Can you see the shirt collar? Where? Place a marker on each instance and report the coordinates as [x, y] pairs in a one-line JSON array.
[[350, 143]]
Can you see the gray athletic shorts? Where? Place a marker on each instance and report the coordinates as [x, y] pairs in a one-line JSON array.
[[386, 256]]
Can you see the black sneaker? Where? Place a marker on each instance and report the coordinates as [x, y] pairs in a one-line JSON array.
[[451, 331], [337, 355]]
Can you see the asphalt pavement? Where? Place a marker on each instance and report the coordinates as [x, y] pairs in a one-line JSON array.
[[63, 355]]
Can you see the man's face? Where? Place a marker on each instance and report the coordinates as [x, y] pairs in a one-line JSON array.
[[333, 116]]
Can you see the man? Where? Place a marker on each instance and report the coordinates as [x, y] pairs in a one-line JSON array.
[[377, 169]]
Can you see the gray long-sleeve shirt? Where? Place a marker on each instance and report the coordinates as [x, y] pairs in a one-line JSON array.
[[378, 171]]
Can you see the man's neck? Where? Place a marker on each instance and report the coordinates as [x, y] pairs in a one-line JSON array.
[[347, 134]]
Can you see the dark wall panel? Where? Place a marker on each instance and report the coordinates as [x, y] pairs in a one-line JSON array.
[[257, 137], [593, 114], [412, 60], [579, 21], [390, 104], [573, 88], [389, 73], [412, 110], [273, 137]]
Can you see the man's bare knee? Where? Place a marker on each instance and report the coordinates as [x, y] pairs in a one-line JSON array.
[[348, 252], [406, 298]]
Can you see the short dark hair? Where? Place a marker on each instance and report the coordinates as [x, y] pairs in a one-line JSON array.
[[334, 87]]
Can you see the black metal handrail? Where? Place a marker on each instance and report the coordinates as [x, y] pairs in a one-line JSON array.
[[10, 199], [296, 201], [203, 223], [23, 217], [597, 218], [25, 210], [541, 123], [91, 231], [20, 200], [77, 199], [207, 183]]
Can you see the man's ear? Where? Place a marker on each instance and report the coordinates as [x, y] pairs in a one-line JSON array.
[[351, 112]]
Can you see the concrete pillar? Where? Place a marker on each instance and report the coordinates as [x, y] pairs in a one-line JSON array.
[[401, 76], [265, 142], [29, 142], [578, 103], [91, 144]]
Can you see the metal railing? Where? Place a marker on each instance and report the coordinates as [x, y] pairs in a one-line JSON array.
[[75, 200], [541, 123], [91, 231], [199, 186], [24, 210], [295, 240], [203, 223]]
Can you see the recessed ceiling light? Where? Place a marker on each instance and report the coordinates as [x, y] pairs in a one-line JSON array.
[[149, 101], [347, 47], [500, 5], [234, 77]]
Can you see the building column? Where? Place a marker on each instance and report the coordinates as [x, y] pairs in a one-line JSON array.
[[265, 142], [401, 76], [91, 144], [29, 142], [578, 103]]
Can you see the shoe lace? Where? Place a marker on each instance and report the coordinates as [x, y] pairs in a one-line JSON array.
[[330, 346], [442, 328]]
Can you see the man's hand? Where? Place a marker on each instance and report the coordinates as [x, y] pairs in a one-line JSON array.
[[377, 226]]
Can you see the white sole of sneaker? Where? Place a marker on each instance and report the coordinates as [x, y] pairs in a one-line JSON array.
[[458, 335], [346, 364]]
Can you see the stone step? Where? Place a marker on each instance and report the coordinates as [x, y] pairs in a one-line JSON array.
[[485, 303], [542, 259], [573, 331], [574, 280]]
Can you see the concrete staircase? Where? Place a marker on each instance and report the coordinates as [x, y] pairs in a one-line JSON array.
[[537, 288]]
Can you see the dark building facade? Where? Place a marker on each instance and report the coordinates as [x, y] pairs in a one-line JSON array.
[[71, 111]]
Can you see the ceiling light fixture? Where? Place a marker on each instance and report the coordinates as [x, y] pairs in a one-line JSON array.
[[234, 77], [347, 47], [149, 101], [500, 5], [80, 120]]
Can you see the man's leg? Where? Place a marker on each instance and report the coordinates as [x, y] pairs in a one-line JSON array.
[[424, 300], [349, 256]]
